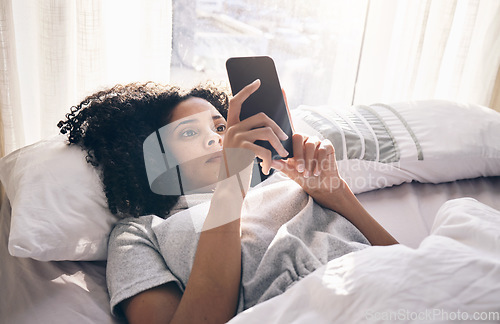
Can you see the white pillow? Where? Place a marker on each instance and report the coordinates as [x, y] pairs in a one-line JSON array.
[[430, 141], [59, 210]]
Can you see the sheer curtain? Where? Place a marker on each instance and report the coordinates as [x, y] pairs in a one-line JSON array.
[[338, 52], [55, 52], [430, 49]]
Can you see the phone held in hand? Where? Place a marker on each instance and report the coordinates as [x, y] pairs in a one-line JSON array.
[[268, 98]]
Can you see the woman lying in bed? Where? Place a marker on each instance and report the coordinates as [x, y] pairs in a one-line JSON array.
[[220, 247]]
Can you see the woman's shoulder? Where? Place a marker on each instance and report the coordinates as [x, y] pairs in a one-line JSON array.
[[151, 227], [141, 225]]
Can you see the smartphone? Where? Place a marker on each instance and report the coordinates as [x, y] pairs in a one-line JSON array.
[[268, 98]]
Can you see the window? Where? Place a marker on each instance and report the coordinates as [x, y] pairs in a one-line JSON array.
[[311, 42]]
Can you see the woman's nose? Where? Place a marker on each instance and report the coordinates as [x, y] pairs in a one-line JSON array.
[[214, 139]]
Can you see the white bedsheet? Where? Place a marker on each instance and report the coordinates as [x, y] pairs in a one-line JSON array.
[[453, 275], [407, 211]]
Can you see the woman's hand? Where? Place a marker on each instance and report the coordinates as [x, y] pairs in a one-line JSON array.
[[243, 134], [313, 166]]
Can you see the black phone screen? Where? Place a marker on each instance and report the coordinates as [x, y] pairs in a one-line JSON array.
[[268, 98]]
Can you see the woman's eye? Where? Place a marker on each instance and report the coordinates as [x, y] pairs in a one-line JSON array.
[[221, 128], [188, 133]]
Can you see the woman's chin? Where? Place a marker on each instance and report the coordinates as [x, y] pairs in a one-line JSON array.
[[203, 189], [203, 183]]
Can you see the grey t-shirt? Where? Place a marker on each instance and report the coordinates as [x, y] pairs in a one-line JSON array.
[[285, 236]]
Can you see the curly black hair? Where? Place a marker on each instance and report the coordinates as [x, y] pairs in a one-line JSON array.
[[111, 125]]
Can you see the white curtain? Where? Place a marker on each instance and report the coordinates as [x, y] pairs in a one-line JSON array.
[[430, 49], [55, 52]]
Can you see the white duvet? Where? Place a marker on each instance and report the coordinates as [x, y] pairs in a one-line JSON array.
[[453, 276]]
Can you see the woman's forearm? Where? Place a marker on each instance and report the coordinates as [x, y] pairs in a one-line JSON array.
[[211, 295], [212, 291], [344, 202]]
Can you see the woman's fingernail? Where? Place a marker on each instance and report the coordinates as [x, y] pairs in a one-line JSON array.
[[306, 174], [283, 137], [316, 173], [284, 153], [300, 168]]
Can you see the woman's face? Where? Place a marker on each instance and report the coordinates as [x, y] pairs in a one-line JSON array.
[[194, 139]]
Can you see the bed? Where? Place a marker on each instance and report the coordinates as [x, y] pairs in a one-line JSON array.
[[428, 171]]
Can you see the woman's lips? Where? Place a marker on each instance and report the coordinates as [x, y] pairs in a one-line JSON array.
[[215, 157]]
